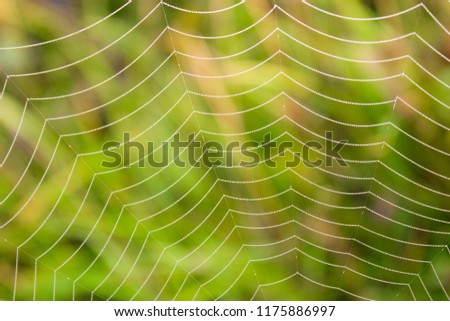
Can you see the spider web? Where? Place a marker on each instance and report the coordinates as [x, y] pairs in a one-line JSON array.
[[227, 71]]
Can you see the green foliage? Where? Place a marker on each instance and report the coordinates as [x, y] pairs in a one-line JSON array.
[[71, 228]]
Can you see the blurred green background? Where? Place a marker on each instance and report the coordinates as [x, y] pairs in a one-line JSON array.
[[226, 71]]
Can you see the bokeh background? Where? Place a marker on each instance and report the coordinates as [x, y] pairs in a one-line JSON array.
[[78, 74]]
